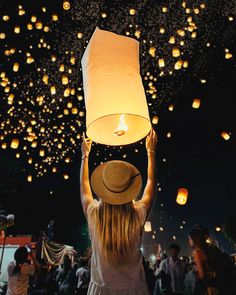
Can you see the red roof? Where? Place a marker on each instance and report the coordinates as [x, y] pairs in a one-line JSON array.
[[21, 241]]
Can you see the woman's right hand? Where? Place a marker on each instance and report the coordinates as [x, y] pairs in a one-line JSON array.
[[151, 141], [86, 146]]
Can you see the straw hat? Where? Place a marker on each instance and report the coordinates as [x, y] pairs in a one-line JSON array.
[[116, 182]]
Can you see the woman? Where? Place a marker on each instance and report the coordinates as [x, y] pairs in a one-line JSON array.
[[116, 221], [19, 272], [211, 265]]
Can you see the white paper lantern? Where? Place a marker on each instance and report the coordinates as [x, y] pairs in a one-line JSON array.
[[117, 112]]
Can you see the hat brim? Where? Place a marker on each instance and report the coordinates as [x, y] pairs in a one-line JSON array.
[[113, 198]]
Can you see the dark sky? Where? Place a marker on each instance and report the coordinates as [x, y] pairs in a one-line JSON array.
[[195, 157]]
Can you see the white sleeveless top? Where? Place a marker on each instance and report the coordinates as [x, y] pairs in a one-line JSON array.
[[105, 280]]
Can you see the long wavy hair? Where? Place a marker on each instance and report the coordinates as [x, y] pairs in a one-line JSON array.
[[117, 229]]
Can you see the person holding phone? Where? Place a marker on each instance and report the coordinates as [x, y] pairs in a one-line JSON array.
[[19, 272]]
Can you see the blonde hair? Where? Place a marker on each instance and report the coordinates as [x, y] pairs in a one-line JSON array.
[[116, 231]]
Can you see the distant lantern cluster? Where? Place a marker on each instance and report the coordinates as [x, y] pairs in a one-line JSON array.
[[42, 112]]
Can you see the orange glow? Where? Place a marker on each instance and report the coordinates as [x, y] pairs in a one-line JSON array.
[[122, 128], [182, 196]]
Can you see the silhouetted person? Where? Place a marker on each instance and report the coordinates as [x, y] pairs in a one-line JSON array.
[[19, 272]]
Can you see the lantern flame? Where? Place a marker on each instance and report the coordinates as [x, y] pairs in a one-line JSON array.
[[122, 128]]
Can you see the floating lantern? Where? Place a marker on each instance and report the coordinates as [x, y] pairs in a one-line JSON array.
[[53, 90], [117, 112], [228, 55], [17, 30], [66, 176], [66, 5], [218, 228], [10, 98], [178, 64], [152, 51], [182, 196], [29, 60], [29, 178], [155, 120], [42, 153], [196, 103], [137, 33], [176, 52], [64, 80], [104, 15], [225, 135], [34, 144], [55, 17], [39, 25], [80, 35], [66, 92], [132, 11], [185, 64], [171, 108], [148, 226], [162, 30], [16, 67], [161, 63], [172, 40], [15, 143], [5, 18]]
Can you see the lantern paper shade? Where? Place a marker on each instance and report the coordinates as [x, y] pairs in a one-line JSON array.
[[117, 112], [148, 226], [182, 196]]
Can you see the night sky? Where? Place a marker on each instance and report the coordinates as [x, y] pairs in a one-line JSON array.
[[50, 44]]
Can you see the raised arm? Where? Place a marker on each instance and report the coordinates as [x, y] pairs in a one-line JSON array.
[[35, 263], [149, 191], [85, 189], [199, 261]]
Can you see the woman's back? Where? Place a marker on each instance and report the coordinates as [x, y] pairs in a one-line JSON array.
[[128, 276]]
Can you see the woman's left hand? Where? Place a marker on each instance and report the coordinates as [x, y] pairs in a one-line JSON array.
[[86, 145]]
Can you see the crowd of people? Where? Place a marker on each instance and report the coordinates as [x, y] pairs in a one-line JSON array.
[[27, 276], [169, 275]]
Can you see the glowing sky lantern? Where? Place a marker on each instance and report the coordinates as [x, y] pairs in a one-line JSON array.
[[182, 196], [196, 103], [117, 112], [225, 135], [148, 226], [66, 5], [15, 143], [29, 178], [155, 120]]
